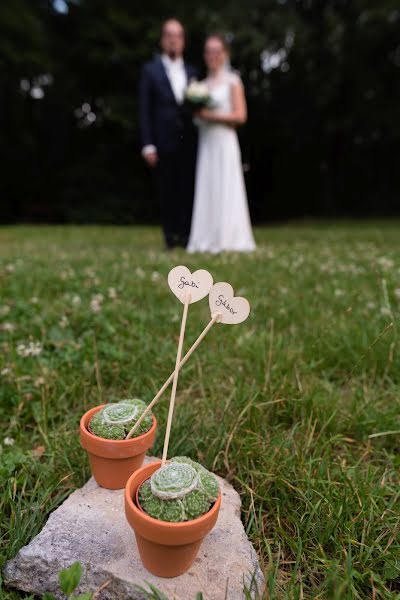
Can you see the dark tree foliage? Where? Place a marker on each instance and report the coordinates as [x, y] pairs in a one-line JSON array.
[[322, 79]]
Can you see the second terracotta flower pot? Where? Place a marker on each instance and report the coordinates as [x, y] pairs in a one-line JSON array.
[[113, 461], [166, 549]]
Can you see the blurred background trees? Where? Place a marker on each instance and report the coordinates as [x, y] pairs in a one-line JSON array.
[[322, 80]]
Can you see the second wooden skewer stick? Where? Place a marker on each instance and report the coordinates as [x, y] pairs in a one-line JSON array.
[[170, 378]]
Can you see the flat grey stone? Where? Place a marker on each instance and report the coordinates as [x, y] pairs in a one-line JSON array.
[[90, 527]]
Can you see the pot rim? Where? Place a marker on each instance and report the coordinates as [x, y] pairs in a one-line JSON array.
[[96, 438], [139, 512]]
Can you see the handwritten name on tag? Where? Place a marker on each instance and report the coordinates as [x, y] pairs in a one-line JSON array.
[[233, 309], [181, 281]]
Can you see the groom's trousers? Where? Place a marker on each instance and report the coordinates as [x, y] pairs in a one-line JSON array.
[[176, 172]]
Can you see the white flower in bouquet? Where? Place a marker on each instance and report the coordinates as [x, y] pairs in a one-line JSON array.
[[197, 94]]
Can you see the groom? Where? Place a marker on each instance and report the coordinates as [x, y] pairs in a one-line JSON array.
[[167, 132]]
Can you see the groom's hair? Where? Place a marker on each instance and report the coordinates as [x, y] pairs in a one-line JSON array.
[[172, 20]]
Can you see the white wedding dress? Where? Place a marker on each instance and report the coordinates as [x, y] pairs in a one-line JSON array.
[[221, 218]]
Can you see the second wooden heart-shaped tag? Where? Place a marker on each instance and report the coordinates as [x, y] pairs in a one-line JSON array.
[[181, 280], [233, 309]]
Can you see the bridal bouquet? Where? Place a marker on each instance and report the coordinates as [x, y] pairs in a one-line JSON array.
[[197, 95]]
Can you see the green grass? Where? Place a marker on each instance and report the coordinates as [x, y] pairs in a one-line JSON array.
[[298, 407]]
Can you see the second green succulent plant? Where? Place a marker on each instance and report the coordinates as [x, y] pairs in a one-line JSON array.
[[181, 490]]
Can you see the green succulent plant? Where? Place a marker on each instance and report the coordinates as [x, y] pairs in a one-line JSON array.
[[181, 490], [114, 421]]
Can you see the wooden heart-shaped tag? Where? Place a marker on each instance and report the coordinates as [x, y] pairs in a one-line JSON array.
[[232, 309], [181, 280]]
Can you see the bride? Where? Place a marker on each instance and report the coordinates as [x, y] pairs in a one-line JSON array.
[[221, 218]]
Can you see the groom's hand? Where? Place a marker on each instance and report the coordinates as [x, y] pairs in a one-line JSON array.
[[151, 159]]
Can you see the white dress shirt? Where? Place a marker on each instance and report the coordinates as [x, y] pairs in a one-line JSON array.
[[176, 74], [175, 70]]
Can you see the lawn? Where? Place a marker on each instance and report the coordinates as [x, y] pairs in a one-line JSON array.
[[298, 407]]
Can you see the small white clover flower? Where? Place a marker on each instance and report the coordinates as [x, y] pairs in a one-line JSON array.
[[40, 381], [339, 293], [63, 322], [8, 441], [95, 303], [90, 273], [371, 305], [31, 349], [155, 276], [35, 348], [385, 311], [325, 268], [385, 262], [68, 273], [5, 371], [21, 350], [10, 268], [112, 293], [95, 306], [139, 272], [7, 326], [76, 300]]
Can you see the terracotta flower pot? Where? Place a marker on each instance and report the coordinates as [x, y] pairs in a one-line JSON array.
[[166, 549], [113, 461]]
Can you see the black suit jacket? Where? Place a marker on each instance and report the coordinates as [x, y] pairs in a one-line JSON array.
[[163, 122]]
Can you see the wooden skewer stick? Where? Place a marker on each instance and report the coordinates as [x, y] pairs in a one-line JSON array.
[[175, 379], [170, 378]]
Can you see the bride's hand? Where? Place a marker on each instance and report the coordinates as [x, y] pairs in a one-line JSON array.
[[205, 114], [211, 116]]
